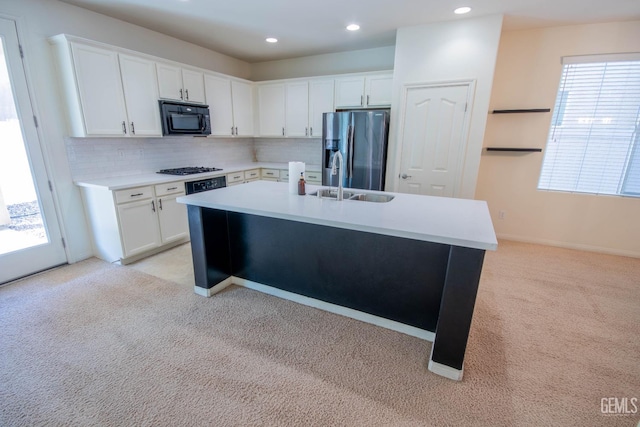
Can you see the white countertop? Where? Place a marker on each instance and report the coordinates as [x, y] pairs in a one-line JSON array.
[[458, 222], [121, 182]]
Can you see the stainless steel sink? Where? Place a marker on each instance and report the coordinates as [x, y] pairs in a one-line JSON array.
[[368, 197], [332, 194]]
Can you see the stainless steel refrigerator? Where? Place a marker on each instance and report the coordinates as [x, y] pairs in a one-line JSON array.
[[361, 137]]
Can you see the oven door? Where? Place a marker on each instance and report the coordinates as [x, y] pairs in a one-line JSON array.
[[179, 123], [181, 119]]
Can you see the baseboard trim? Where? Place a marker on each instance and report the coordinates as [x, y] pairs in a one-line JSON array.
[[446, 371], [214, 289], [333, 308], [568, 245]]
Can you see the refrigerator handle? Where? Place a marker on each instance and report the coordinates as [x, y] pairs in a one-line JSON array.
[[350, 153]]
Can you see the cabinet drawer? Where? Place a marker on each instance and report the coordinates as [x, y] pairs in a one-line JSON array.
[[235, 177], [133, 194], [314, 176], [170, 188], [284, 174], [270, 173], [252, 175]]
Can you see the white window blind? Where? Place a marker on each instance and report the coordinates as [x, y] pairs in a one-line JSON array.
[[594, 139]]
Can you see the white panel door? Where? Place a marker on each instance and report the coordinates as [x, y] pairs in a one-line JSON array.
[[297, 109], [433, 140], [169, 81], [141, 96], [320, 101], [100, 90], [242, 95], [193, 85], [271, 104], [138, 226], [173, 220], [218, 94]]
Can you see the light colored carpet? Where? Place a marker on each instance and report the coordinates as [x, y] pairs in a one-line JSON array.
[[554, 332]]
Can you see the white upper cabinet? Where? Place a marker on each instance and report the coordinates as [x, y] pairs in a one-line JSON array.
[[180, 84], [231, 106], [363, 91], [242, 96], [320, 101], [271, 108], [141, 96], [99, 89], [107, 94], [297, 109]]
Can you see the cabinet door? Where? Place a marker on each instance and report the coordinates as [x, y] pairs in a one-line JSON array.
[[379, 89], [193, 85], [271, 104], [320, 101], [138, 226], [242, 94], [169, 81], [173, 220], [100, 90], [350, 92], [218, 92], [141, 96], [297, 109]]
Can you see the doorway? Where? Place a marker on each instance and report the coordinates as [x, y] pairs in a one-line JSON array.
[[434, 133], [30, 237]]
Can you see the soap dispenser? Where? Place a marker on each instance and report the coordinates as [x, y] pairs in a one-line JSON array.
[[301, 187]]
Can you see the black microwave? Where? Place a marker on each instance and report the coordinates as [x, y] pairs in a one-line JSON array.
[[179, 118]]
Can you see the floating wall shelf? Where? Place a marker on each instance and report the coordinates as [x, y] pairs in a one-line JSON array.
[[529, 110], [516, 150]]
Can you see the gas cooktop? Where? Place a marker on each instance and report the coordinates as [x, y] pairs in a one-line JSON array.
[[188, 170]]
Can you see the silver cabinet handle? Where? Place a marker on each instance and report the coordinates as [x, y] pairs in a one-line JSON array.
[[181, 97], [232, 131], [236, 130], [124, 127], [361, 100], [137, 195], [367, 99], [306, 131], [160, 204], [153, 206], [405, 176], [310, 131], [187, 92], [282, 131], [133, 129], [172, 188]]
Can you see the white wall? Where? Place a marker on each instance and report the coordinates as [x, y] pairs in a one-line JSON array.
[[527, 76], [356, 61], [447, 51], [40, 19]]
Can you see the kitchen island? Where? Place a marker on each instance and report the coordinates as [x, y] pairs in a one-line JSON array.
[[412, 264]]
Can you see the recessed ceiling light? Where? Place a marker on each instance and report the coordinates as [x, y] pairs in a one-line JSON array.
[[462, 10], [271, 40], [353, 27]]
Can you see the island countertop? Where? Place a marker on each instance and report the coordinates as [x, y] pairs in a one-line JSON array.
[[458, 222]]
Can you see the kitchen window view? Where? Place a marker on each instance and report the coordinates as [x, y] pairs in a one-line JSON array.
[[594, 141], [21, 224]]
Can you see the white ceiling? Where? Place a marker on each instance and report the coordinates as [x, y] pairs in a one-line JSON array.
[[238, 28]]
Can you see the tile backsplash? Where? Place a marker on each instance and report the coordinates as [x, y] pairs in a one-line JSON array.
[[95, 158]]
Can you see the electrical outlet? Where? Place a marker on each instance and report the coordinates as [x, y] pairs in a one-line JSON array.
[[502, 214]]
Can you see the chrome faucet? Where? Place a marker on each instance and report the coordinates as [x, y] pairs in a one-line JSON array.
[[338, 155]]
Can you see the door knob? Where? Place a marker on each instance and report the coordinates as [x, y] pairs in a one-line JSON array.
[[405, 176]]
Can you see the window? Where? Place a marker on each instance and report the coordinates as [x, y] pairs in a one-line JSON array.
[[594, 140]]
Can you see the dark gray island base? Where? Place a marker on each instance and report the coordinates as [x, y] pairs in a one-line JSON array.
[[429, 287]]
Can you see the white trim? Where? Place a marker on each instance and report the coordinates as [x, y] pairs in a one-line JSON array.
[[446, 371], [213, 290], [333, 308], [607, 57], [569, 245]]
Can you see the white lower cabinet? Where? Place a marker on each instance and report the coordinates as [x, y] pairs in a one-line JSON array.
[[131, 223]]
